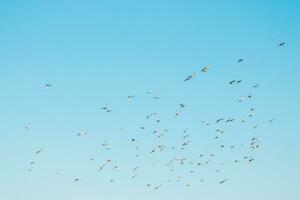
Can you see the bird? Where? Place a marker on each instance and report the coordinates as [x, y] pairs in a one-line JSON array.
[[223, 181], [76, 180], [157, 187], [130, 97], [189, 77], [240, 60], [177, 113], [104, 108], [48, 85], [82, 132], [219, 120], [271, 120], [241, 99], [205, 69], [39, 151], [232, 82], [281, 44], [151, 114], [255, 86]]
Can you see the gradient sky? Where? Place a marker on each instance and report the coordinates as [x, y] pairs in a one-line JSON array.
[[99, 52]]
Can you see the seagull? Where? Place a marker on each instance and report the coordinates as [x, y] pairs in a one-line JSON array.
[[186, 136], [82, 132], [48, 85], [177, 114], [130, 97], [271, 120], [101, 167], [230, 120], [256, 86], [157, 187], [219, 120], [205, 69], [223, 181], [151, 114], [190, 77], [232, 82], [105, 108], [241, 99], [39, 151], [105, 145]]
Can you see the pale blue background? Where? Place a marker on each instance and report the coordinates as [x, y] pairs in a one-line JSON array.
[[99, 52]]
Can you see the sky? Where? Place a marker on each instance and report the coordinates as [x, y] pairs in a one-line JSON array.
[[96, 53]]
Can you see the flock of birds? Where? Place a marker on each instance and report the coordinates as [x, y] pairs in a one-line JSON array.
[[176, 161]]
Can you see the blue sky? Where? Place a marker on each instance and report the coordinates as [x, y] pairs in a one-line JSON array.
[[96, 53]]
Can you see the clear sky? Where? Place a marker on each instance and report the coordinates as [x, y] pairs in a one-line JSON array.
[[96, 53]]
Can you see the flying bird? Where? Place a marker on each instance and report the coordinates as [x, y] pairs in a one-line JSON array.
[[190, 77], [82, 132], [76, 180], [232, 82], [48, 85], [223, 181], [130, 97], [256, 86], [205, 69], [39, 151]]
